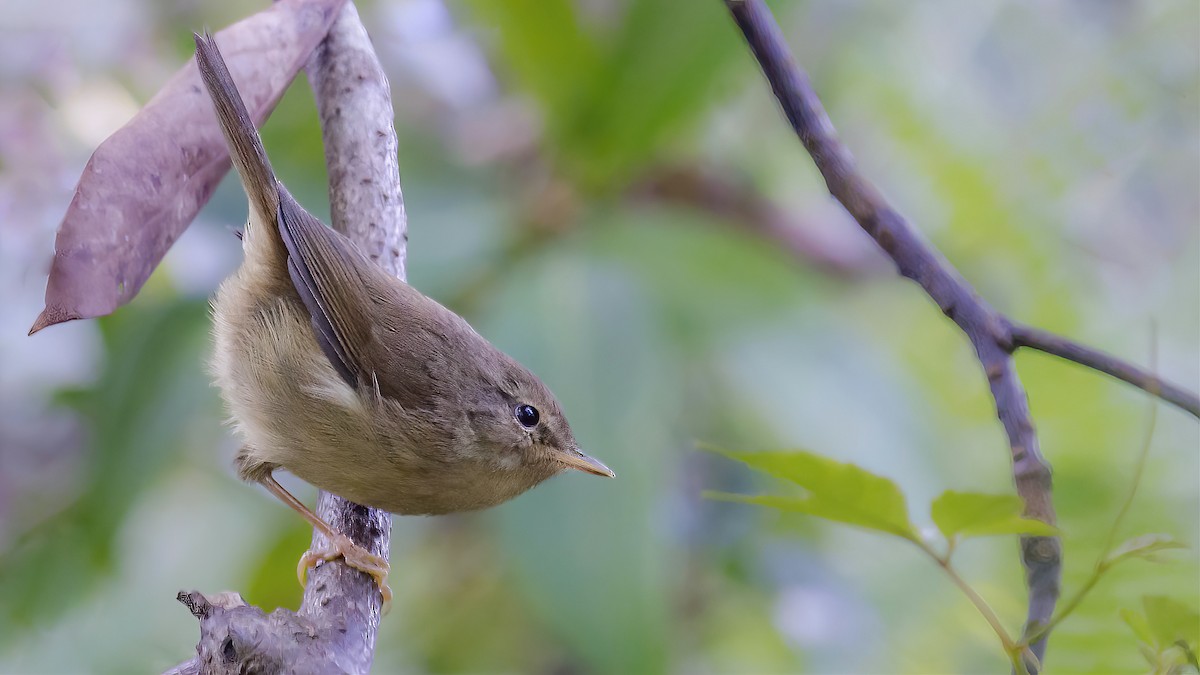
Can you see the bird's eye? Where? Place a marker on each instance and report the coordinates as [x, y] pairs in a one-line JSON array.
[[527, 415]]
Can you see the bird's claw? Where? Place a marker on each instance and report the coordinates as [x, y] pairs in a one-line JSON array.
[[355, 556]]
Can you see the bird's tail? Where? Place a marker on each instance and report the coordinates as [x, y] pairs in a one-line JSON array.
[[245, 146]]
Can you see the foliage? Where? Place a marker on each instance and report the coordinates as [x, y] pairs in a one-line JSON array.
[[1047, 150], [835, 491], [1167, 631], [848, 494], [962, 514]]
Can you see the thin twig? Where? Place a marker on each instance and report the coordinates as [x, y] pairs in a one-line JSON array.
[[1033, 338], [987, 330], [981, 605]]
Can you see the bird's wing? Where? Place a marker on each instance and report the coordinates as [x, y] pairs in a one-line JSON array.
[[324, 267], [380, 334]]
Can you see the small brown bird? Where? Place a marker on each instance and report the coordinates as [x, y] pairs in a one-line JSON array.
[[354, 381]]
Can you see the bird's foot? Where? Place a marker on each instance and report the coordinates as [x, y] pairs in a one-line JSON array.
[[355, 556]]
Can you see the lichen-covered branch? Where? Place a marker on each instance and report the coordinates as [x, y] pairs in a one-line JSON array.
[[236, 638], [355, 105]]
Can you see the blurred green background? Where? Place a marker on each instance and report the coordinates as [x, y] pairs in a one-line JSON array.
[[560, 160]]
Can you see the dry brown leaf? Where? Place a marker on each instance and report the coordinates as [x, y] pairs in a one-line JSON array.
[[147, 181]]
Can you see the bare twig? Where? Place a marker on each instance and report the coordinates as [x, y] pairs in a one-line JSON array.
[[985, 610], [335, 629], [1025, 336], [915, 258]]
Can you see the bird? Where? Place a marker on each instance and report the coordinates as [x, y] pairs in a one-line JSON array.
[[354, 381]]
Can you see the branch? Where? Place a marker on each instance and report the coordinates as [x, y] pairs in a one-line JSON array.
[[988, 331], [1026, 336], [335, 629], [354, 101], [238, 638]]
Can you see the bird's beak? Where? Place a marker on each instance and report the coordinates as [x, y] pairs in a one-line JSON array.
[[575, 459]]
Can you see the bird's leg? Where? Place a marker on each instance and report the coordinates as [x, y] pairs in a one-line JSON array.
[[340, 545]]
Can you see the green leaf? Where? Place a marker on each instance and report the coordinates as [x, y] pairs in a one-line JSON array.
[[1143, 547], [968, 514], [1171, 621], [1153, 658], [836, 491], [1140, 627]]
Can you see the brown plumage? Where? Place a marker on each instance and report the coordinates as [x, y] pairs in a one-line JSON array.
[[353, 380]]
